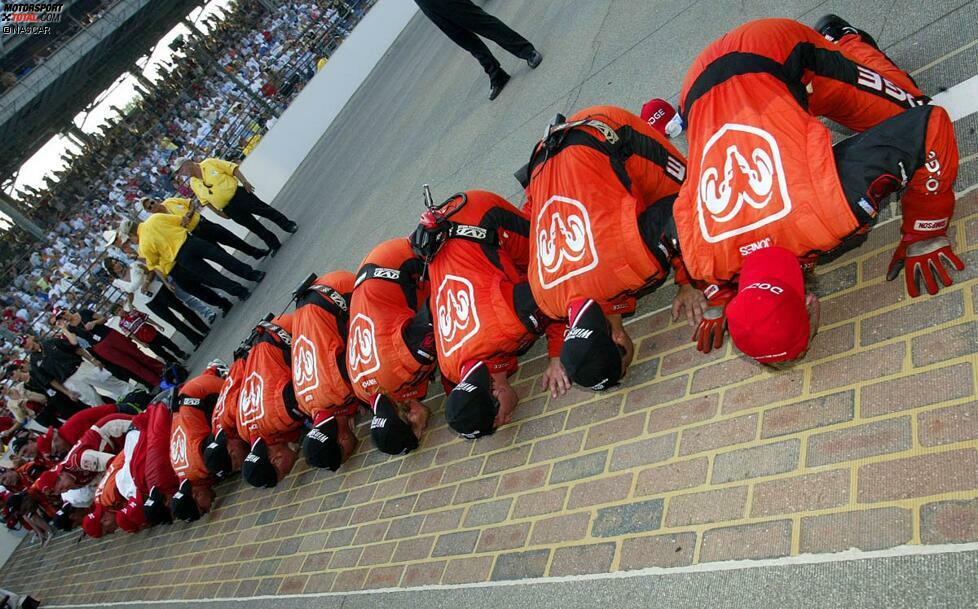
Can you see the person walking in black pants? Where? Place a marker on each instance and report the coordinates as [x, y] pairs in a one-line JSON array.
[[167, 246], [200, 226], [215, 182], [464, 22]]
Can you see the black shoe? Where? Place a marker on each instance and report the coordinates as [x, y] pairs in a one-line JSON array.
[[291, 227], [183, 356], [497, 85], [259, 254], [274, 250], [534, 60], [257, 276], [225, 309], [245, 296], [835, 27]]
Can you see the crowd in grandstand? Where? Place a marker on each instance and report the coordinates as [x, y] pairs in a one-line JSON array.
[[191, 109]]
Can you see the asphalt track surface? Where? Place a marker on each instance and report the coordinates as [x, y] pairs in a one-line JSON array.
[[423, 117]]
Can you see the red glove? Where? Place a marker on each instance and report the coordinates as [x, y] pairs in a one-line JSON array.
[[921, 259], [709, 334]]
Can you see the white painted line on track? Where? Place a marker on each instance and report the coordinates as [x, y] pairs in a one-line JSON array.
[[944, 57], [733, 565], [961, 100]]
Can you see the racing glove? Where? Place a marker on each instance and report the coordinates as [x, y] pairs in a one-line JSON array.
[[923, 261], [709, 334]]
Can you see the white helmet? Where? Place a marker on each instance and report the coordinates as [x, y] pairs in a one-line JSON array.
[[218, 365]]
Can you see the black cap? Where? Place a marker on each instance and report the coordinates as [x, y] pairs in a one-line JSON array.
[[183, 505], [217, 460], [257, 469], [391, 435], [471, 408], [62, 519], [155, 509], [18, 443], [589, 355], [321, 447]]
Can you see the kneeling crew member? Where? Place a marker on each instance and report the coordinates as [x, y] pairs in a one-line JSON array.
[[768, 191], [319, 376], [390, 351], [600, 188]]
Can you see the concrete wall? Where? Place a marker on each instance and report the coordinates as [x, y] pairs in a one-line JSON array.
[[286, 145]]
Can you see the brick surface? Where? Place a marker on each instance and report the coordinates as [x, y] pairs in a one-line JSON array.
[[467, 570], [832, 341], [673, 476], [932, 387], [593, 412], [616, 430], [863, 366], [581, 560], [944, 344], [926, 313], [507, 459], [559, 529], [576, 468], [643, 452], [520, 565], [683, 413], [556, 446], [584, 494], [724, 373], [808, 414], [671, 550], [747, 541], [628, 519], [525, 480], [866, 530], [656, 393], [535, 504], [776, 388], [865, 299], [490, 512], [766, 460], [717, 435], [708, 506], [505, 537], [918, 476], [947, 425], [801, 493], [424, 574], [881, 437], [455, 543], [949, 522]]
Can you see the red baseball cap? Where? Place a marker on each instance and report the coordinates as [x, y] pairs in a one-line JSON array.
[[660, 114], [92, 522], [768, 319], [131, 518], [46, 481]]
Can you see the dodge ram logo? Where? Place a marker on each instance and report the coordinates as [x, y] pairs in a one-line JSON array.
[[564, 241], [458, 319]]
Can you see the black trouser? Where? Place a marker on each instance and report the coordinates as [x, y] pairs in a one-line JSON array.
[[218, 235], [244, 208], [188, 282], [166, 306], [461, 20], [166, 349], [193, 257]]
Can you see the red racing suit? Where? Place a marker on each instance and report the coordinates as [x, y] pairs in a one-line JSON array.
[[225, 415], [149, 464], [600, 186], [107, 493], [319, 330], [761, 170], [191, 425], [386, 299], [473, 279], [98, 445], [266, 403]]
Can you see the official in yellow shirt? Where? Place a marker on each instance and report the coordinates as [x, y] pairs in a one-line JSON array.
[[171, 251], [198, 225], [215, 182]]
